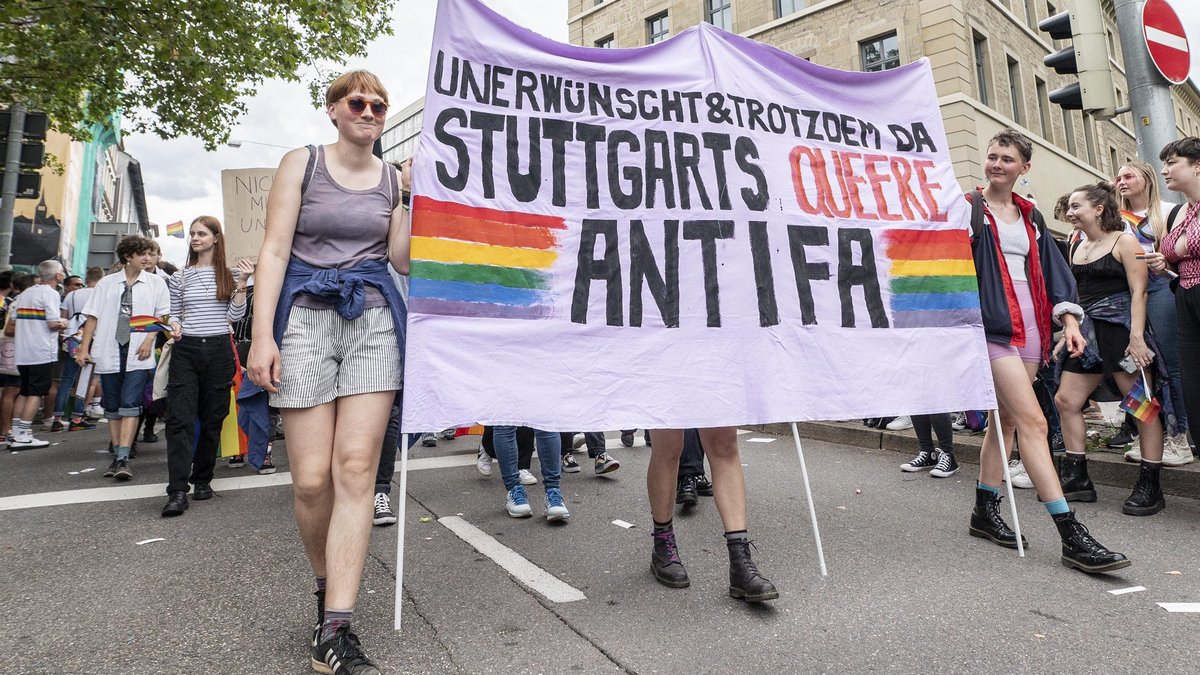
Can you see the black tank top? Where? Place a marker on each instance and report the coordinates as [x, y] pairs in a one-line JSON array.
[[1099, 278]]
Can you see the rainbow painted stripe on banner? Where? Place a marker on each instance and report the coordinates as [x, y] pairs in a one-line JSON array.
[[478, 262], [1140, 404], [31, 313], [933, 279], [175, 229], [147, 324]]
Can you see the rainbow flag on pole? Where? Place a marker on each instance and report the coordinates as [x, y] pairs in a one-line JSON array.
[[1140, 403], [175, 229], [147, 324]]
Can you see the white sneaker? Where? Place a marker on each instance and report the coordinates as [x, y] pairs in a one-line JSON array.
[[900, 424], [1177, 452], [484, 463], [958, 422], [96, 411], [578, 441], [1020, 479], [527, 478], [1134, 454], [26, 443]]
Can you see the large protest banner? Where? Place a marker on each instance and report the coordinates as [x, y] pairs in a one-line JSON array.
[[245, 194], [706, 231]]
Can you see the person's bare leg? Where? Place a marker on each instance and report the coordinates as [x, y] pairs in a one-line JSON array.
[[1013, 380], [662, 476], [358, 436], [8, 407], [310, 451], [729, 482], [1073, 392]]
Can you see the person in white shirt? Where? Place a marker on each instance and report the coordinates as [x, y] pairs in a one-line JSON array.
[[38, 321], [123, 314], [72, 312]]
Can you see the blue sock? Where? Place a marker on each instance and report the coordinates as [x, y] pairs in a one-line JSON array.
[[1056, 507], [121, 451], [989, 488]]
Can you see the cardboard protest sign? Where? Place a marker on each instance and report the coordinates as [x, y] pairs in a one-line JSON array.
[[245, 195], [702, 232]]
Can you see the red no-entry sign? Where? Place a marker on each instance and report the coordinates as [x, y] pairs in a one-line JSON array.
[[1166, 41]]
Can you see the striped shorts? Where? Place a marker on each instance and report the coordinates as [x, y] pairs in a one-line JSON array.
[[324, 357]]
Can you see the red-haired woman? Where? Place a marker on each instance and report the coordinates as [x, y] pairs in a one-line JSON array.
[[204, 300], [328, 342]]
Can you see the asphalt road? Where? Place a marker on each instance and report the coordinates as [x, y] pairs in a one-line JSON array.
[[227, 590]]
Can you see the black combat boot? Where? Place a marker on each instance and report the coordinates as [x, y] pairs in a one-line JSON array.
[[1081, 551], [1147, 498], [1073, 475], [745, 581], [987, 523], [668, 568]]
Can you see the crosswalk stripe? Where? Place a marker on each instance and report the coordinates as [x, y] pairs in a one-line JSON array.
[[528, 574]]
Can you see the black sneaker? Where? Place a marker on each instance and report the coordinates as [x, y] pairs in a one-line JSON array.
[[946, 466], [569, 465], [685, 493], [148, 436], [237, 461], [111, 470], [924, 461], [627, 439], [342, 655], [703, 486], [383, 510], [428, 440], [123, 472], [1122, 439]]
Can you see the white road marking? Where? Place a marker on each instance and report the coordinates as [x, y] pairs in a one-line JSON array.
[[150, 541], [742, 432], [126, 492], [1131, 589], [529, 575], [1166, 39], [761, 440], [622, 523], [1181, 606]]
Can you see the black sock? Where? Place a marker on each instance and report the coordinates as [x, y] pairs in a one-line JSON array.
[[736, 535], [662, 528]]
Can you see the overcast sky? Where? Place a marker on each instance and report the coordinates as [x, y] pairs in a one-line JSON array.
[[183, 181]]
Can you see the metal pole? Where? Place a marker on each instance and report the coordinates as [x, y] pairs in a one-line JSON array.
[[1149, 93], [400, 518], [8, 189], [812, 512]]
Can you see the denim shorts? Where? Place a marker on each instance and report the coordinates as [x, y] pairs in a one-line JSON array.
[[324, 357], [122, 391]]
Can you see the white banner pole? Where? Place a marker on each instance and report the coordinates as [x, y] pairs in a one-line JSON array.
[[812, 513], [1012, 503], [402, 499]]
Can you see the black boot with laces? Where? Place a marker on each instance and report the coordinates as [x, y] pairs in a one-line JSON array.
[[986, 522], [1147, 498], [668, 568], [745, 581], [1073, 476], [1081, 551]]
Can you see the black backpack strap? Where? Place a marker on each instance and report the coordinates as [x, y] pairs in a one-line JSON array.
[[310, 168], [1171, 218], [976, 199]]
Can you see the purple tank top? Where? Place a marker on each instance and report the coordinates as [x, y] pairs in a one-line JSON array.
[[338, 227]]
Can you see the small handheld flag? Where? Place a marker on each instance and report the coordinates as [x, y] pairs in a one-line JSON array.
[[147, 324], [1139, 402], [175, 229]]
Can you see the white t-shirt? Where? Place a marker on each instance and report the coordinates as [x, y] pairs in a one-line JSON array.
[[72, 307], [36, 308], [150, 299], [1014, 243]]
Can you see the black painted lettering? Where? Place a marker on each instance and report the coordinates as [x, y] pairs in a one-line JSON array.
[[800, 236], [707, 232], [764, 277], [643, 269], [606, 268], [456, 181], [863, 273]]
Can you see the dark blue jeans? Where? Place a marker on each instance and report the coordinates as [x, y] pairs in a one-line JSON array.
[[1161, 313], [549, 449]]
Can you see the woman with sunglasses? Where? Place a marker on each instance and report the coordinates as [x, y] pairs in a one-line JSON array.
[[329, 337], [1146, 215], [1179, 257]]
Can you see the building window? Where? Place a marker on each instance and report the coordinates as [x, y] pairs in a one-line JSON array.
[[1014, 89], [658, 28], [1031, 14], [785, 7], [597, 2], [981, 66], [1089, 139], [1113, 162], [720, 13], [606, 42], [882, 53], [1069, 131], [1043, 104]]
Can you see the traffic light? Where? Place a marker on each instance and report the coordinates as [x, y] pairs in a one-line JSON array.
[[33, 152], [1087, 57]]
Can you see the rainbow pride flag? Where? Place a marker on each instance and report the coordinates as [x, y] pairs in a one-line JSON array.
[[233, 438], [478, 262], [1140, 403], [147, 324], [933, 279], [175, 229], [31, 313]]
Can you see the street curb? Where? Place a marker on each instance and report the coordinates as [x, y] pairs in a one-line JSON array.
[[1106, 467]]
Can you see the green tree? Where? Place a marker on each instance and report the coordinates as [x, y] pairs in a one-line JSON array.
[[171, 67]]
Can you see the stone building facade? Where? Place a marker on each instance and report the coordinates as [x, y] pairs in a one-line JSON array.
[[986, 57]]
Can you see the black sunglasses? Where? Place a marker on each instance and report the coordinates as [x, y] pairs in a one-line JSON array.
[[358, 105]]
